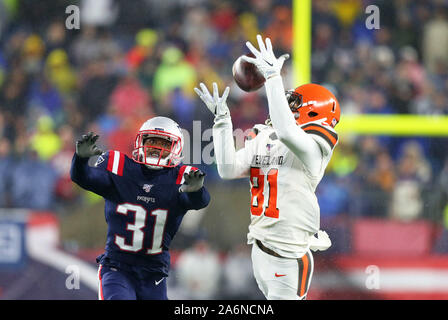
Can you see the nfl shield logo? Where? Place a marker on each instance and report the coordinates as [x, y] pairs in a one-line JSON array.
[[269, 146], [99, 160], [147, 187]]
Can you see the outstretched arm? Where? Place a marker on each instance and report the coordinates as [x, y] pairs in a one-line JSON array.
[[297, 140], [231, 164], [95, 179], [193, 194]]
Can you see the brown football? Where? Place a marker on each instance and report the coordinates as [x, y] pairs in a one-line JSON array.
[[246, 75]]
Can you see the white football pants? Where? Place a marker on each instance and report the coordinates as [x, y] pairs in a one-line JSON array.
[[282, 278]]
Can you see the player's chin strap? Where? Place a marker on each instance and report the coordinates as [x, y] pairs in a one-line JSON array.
[[153, 167], [320, 241]]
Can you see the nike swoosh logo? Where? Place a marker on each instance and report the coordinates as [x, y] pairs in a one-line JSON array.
[[279, 275], [157, 282], [271, 64]]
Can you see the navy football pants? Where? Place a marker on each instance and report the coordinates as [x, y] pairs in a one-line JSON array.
[[117, 284]]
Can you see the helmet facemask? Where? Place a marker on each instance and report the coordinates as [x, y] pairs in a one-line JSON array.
[[294, 102], [303, 112], [157, 149]]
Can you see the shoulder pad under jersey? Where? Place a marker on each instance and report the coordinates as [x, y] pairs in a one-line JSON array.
[[183, 170], [323, 134], [255, 131], [112, 161]]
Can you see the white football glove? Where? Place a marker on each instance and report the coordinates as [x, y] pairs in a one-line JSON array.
[[265, 60], [215, 104], [322, 242]]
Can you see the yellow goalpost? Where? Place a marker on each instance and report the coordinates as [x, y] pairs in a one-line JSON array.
[[363, 124]]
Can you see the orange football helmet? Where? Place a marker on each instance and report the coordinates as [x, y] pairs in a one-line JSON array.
[[311, 102]]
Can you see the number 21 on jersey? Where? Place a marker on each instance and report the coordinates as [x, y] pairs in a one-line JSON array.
[[259, 184]]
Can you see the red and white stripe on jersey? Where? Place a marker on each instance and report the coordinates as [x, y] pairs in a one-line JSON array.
[[116, 162], [100, 284], [182, 171]]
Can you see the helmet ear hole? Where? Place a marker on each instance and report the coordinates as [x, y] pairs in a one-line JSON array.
[[312, 114]]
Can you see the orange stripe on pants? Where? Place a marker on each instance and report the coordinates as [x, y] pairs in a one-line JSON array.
[[304, 275]]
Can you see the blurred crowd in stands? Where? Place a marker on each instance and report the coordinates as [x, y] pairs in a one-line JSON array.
[[131, 60]]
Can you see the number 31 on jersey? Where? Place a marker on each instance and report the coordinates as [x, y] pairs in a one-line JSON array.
[[261, 185]]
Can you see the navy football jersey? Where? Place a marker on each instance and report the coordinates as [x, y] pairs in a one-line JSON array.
[[143, 207]]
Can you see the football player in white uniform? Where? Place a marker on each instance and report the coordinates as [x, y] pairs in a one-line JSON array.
[[285, 159]]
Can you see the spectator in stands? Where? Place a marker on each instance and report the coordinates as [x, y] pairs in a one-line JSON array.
[[44, 98], [435, 40], [184, 108], [280, 29], [33, 52], [173, 72], [100, 13], [123, 136], [378, 103], [345, 160], [6, 164], [196, 27], [4, 16], [248, 24], [55, 36], [60, 72], [413, 173], [262, 10], [198, 271], [334, 197], [144, 48], [443, 183], [441, 242], [65, 190], [32, 183], [238, 280], [376, 185], [96, 89], [130, 99], [85, 48], [45, 141], [13, 93]]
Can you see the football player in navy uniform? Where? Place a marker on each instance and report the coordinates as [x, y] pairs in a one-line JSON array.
[[146, 198]]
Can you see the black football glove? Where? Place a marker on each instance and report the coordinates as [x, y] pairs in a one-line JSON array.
[[194, 180], [86, 147]]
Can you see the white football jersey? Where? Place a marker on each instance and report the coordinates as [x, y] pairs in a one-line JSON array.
[[284, 209], [284, 163]]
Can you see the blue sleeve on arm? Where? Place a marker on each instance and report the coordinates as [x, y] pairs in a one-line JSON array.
[[195, 200], [94, 179]]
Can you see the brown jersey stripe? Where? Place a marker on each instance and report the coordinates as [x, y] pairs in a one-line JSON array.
[[332, 133], [326, 134], [322, 135], [299, 285]]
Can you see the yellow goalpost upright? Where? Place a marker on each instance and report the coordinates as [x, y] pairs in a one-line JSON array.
[[301, 51], [358, 124]]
